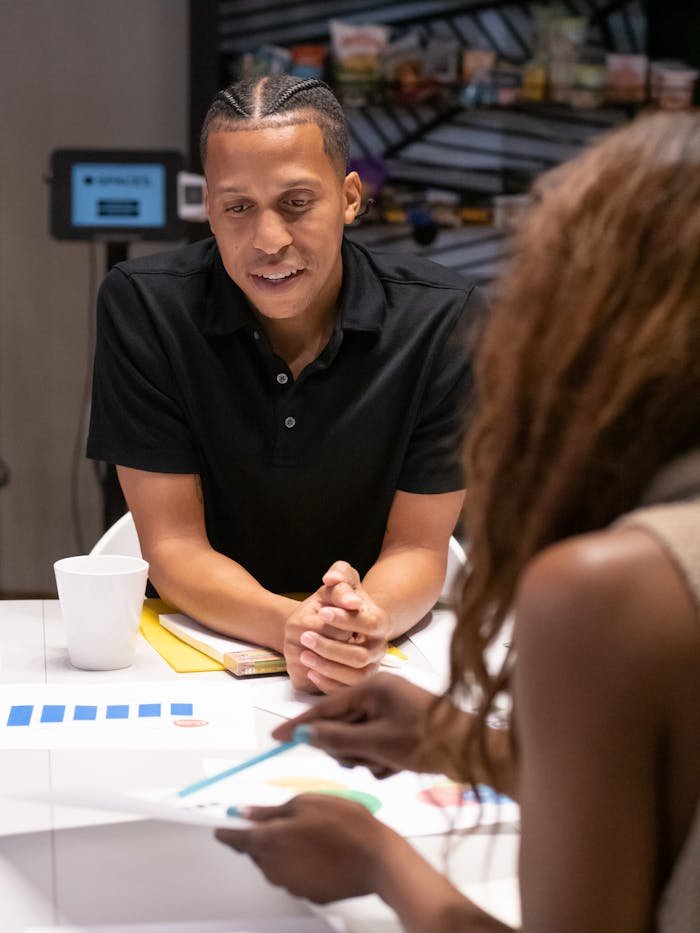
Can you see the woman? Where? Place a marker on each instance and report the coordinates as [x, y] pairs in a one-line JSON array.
[[583, 468]]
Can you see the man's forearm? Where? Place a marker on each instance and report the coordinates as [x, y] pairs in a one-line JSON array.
[[406, 582], [218, 592]]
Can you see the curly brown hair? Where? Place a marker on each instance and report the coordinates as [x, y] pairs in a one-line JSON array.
[[588, 376]]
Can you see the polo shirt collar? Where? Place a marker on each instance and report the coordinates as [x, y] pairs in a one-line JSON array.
[[227, 310], [362, 298]]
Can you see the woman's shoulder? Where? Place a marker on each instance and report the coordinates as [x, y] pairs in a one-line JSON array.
[[619, 591]]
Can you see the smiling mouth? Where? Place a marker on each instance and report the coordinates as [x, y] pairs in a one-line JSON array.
[[277, 276]]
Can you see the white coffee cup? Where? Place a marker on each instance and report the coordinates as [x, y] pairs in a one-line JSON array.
[[101, 596]]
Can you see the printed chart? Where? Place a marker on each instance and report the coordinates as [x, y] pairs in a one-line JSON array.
[[124, 715], [413, 805]]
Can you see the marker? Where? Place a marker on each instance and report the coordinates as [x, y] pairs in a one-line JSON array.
[[207, 782]]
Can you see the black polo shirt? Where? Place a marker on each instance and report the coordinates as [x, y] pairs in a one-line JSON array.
[[295, 473]]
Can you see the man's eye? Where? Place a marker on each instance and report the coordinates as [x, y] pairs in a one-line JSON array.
[[298, 203], [236, 208]]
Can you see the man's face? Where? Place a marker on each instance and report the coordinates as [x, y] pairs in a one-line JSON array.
[[277, 207]]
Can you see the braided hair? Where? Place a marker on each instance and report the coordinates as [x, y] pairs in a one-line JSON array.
[[278, 100]]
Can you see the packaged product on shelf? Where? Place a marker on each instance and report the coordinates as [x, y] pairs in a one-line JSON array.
[[476, 214], [507, 82], [265, 60], [567, 35], [509, 210], [561, 80], [477, 65], [534, 80], [441, 56], [307, 60], [357, 55], [477, 73], [402, 65], [357, 50], [626, 78], [672, 85], [588, 89]]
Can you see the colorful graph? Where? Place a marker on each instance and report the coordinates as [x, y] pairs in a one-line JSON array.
[[445, 793], [317, 785], [124, 714], [26, 715]]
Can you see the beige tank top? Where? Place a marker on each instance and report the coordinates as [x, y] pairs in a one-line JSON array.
[[676, 525]]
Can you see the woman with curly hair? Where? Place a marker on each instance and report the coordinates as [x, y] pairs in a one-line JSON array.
[[583, 519]]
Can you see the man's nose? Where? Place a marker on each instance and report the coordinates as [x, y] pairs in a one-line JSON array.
[[271, 234]]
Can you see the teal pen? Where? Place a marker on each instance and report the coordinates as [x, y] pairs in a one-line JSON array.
[[207, 782]]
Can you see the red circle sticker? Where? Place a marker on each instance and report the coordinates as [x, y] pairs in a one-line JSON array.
[[190, 723]]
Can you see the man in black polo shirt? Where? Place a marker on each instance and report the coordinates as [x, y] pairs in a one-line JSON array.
[[283, 408]]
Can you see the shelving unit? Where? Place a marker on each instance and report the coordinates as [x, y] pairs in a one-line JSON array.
[[439, 144]]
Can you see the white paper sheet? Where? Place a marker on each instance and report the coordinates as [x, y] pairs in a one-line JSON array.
[[263, 925], [183, 714], [412, 804], [194, 633]]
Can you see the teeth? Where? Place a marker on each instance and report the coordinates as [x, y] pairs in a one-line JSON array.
[[275, 276]]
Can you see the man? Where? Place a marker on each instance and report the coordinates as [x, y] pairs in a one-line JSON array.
[[283, 408]]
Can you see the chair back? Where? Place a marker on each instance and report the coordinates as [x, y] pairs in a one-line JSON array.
[[121, 538]]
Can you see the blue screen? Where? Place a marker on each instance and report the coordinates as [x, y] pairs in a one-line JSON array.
[[119, 195]]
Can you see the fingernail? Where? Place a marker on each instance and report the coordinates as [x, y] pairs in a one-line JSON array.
[[308, 639], [303, 734], [326, 614], [238, 811]]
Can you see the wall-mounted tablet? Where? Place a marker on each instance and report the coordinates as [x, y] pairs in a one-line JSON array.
[[115, 195]]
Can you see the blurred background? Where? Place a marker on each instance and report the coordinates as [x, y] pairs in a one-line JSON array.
[[453, 109]]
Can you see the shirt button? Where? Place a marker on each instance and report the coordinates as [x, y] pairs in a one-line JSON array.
[[289, 422], [282, 378], [256, 334]]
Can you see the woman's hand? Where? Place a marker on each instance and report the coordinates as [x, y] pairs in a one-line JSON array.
[[379, 723], [326, 848], [317, 846]]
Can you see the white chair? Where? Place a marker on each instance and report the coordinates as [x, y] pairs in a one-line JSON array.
[[456, 562], [121, 538]]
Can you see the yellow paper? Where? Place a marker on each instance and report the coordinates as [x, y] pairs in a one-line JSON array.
[[181, 657]]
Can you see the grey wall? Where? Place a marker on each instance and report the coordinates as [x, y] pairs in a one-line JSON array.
[[91, 73]]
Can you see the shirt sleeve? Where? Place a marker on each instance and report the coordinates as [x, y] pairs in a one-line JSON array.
[[433, 459], [137, 419]]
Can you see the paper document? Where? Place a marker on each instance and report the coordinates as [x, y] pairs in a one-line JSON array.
[[411, 804], [239, 657], [248, 925], [181, 714]]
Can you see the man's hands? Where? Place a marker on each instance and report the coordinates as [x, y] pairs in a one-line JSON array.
[[336, 637], [317, 846], [378, 723]]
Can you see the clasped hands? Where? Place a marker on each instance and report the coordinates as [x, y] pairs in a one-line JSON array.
[[337, 636]]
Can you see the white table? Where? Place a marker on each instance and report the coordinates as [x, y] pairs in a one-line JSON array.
[[60, 866]]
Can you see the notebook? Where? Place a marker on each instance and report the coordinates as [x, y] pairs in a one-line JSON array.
[[239, 657]]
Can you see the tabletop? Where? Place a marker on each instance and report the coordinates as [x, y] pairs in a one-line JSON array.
[[61, 866]]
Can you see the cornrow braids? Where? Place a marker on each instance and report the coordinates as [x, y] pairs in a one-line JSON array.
[[227, 97], [307, 84], [277, 99]]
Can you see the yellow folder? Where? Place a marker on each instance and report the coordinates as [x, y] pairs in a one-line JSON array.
[[182, 657]]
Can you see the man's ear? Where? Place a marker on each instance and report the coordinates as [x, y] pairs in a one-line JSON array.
[[352, 192]]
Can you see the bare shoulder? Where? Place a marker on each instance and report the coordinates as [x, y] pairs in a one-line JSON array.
[[610, 595]]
